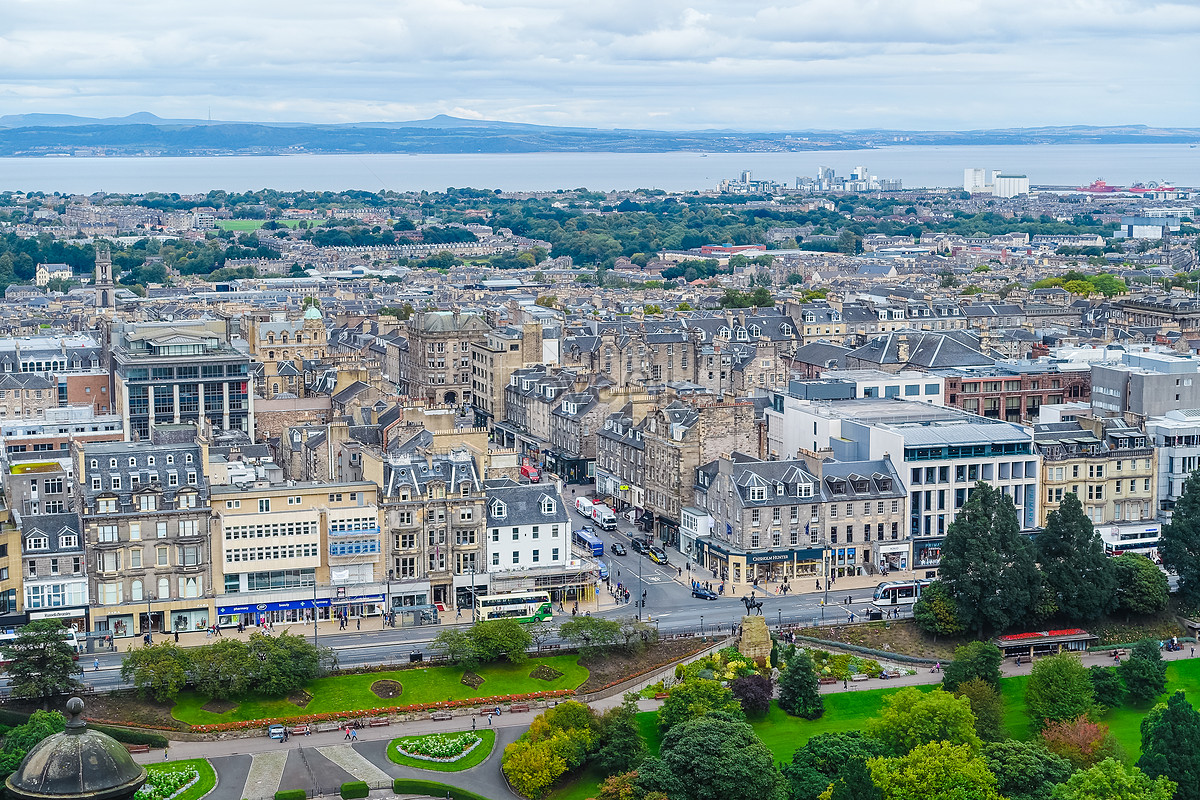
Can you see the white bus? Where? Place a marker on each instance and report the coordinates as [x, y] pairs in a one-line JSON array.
[[6, 638], [521, 606]]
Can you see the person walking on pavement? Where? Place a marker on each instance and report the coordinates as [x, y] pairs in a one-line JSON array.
[[353, 735], [358, 624], [347, 736], [96, 664], [472, 723], [489, 719]]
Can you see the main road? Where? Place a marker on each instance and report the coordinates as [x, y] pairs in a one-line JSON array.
[[670, 606]]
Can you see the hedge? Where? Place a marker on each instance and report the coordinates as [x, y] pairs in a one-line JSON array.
[[123, 735], [291, 794], [854, 648], [433, 789], [352, 790]]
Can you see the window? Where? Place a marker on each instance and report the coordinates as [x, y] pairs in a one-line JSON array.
[[754, 516], [758, 493], [536, 556], [495, 559], [189, 527], [135, 531], [160, 556], [189, 555], [516, 557], [106, 533], [264, 505], [554, 554], [108, 562], [135, 590], [161, 530], [135, 558], [147, 502], [116, 482], [106, 505]]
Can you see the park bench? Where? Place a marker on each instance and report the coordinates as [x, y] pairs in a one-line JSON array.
[[138, 748], [325, 727], [890, 674], [378, 722], [661, 695], [859, 676], [441, 715], [826, 681], [303, 729], [516, 707]]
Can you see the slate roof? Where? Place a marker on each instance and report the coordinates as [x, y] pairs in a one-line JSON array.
[[523, 505]]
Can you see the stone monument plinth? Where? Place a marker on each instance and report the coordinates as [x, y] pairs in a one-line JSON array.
[[755, 641]]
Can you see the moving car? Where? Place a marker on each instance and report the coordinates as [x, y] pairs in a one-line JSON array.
[[658, 556], [640, 546], [275, 732], [703, 593], [617, 549]]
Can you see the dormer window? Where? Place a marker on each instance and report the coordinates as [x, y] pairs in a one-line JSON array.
[[37, 543], [149, 461], [785, 329], [170, 459], [548, 505], [755, 331], [758, 493], [778, 489], [112, 463], [742, 335], [499, 509], [805, 490]]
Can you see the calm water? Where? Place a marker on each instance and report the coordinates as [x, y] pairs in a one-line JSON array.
[[1069, 165]]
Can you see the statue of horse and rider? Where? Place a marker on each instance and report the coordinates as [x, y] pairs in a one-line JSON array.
[[752, 605]]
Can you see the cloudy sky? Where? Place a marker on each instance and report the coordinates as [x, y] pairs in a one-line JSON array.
[[669, 64]]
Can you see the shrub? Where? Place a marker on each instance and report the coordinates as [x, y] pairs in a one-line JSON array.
[[1059, 688], [291, 794], [351, 790], [1081, 742]]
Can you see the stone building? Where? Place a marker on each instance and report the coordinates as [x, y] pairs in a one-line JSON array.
[[282, 345], [437, 363]]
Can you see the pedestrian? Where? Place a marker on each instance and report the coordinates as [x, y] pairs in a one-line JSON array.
[[96, 664], [353, 735], [358, 622], [285, 734], [489, 719], [845, 683], [177, 636], [1193, 652], [472, 723], [347, 736]]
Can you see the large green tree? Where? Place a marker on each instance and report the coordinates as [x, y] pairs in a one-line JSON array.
[[1179, 544], [1077, 573], [18, 741], [715, 757], [935, 771], [1107, 686], [1109, 780], [988, 707], [1141, 586], [910, 718], [622, 747], [936, 613], [1171, 745], [591, 635], [824, 759], [158, 670], [1144, 672], [1025, 770], [987, 565], [973, 660], [695, 698], [42, 662], [1059, 689], [799, 689]]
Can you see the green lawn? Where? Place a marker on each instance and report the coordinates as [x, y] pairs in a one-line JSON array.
[[245, 225], [208, 776], [579, 786], [477, 756], [353, 692]]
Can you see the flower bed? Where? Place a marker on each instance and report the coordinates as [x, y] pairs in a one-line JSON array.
[[375, 712], [440, 747], [842, 665], [167, 783]]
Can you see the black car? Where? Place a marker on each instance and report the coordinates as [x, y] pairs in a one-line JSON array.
[[617, 549], [704, 594], [641, 546]]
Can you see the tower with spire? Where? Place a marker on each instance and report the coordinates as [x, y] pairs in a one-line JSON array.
[[105, 290]]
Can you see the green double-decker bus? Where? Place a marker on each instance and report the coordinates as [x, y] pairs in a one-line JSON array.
[[521, 606]]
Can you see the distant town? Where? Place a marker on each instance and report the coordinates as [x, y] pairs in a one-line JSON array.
[[215, 406]]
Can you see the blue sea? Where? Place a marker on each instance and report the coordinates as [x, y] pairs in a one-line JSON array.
[[1046, 165]]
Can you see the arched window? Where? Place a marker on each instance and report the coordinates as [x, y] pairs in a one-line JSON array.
[[164, 589], [135, 591]]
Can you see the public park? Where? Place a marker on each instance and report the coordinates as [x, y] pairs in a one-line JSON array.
[[1010, 678]]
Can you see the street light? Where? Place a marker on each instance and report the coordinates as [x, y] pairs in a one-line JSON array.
[[780, 612], [387, 610], [701, 626]]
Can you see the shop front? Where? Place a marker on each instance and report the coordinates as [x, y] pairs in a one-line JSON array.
[[75, 618], [572, 469], [190, 619], [466, 589], [341, 605], [667, 531], [775, 565], [893, 557], [844, 562], [927, 554]]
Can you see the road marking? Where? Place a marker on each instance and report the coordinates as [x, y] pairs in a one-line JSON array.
[[266, 771]]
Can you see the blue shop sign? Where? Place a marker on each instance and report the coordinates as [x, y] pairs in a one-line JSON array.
[[320, 602]]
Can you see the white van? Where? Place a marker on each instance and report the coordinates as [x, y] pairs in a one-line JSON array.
[[584, 507], [604, 517]]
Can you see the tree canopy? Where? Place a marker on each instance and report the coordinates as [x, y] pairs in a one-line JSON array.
[[1171, 745], [1077, 573], [1059, 689], [42, 662], [1179, 543], [713, 757], [911, 718]]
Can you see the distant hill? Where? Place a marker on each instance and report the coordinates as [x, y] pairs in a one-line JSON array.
[[145, 134]]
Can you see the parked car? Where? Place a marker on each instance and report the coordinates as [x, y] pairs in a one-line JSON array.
[[658, 556], [703, 593], [617, 549], [640, 546], [275, 732]]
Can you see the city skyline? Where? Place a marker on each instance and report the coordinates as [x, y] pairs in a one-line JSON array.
[[668, 66]]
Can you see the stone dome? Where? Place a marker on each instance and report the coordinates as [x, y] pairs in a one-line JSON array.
[[77, 763]]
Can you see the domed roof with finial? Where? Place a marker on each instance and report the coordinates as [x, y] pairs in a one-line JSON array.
[[77, 763], [312, 312]]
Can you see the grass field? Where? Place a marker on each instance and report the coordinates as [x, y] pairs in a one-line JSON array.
[[848, 711], [245, 225], [487, 740], [208, 776], [353, 692]]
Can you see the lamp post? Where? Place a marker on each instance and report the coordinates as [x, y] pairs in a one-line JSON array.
[[701, 626], [779, 611], [387, 609], [149, 617], [641, 600]]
